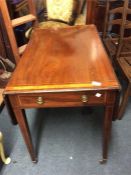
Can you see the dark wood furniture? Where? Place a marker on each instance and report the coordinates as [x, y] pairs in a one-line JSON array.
[[11, 24], [96, 12], [17, 8], [70, 72], [5, 47], [5, 52], [91, 6], [2, 46], [125, 65], [119, 44]]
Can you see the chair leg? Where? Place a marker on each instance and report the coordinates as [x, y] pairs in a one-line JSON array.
[[124, 102], [2, 153]]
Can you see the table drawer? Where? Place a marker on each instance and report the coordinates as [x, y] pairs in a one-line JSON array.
[[61, 99]]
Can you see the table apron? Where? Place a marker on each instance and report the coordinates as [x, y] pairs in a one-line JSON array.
[[64, 99]]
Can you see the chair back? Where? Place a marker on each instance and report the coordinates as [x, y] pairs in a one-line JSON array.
[[61, 10], [117, 17], [114, 16]]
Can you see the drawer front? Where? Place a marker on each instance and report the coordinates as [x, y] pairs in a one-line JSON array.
[[61, 99]]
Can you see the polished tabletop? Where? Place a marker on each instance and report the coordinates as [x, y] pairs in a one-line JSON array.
[[71, 58]]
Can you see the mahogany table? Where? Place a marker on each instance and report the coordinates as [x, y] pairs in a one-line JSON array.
[[63, 68]]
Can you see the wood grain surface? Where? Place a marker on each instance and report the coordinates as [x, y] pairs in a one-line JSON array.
[[71, 58]]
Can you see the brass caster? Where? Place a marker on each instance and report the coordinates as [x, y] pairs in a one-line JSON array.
[[7, 160], [35, 161], [2, 153], [103, 161]]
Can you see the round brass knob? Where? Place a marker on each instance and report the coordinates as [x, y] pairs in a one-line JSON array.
[[40, 100], [84, 98]]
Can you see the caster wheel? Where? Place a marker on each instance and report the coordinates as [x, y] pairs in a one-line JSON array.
[[103, 161]]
